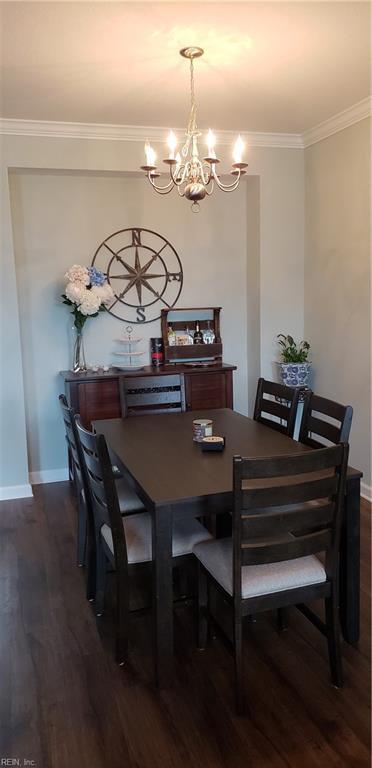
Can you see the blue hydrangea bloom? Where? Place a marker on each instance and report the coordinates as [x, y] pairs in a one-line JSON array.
[[96, 276]]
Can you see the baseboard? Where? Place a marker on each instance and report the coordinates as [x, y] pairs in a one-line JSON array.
[[8, 492], [366, 491], [48, 476]]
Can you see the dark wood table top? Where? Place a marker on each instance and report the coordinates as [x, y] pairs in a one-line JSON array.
[[160, 455]]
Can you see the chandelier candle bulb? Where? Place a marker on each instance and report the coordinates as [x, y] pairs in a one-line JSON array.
[[150, 156], [238, 150], [172, 143], [211, 142]]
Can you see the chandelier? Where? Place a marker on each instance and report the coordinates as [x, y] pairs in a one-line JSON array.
[[193, 177]]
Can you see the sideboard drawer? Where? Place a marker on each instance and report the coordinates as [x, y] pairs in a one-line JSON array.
[[208, 390], [99, 400]]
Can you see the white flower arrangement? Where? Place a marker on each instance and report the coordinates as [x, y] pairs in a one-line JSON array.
[[87, 292], [90, 304], [104, 292], [78, 274], [75, 292]]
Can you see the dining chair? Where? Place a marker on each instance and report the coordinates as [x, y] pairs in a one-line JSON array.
[[77, 471], [129, 502], [146, 395], [316, 429], [124, 542], [270, 561], [278, 401]]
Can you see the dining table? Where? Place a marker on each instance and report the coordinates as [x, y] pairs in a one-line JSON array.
[[174, 478]]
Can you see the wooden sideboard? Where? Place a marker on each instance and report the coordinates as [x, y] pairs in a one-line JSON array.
[[96, 395]]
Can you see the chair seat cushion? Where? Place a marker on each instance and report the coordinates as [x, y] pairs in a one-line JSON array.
[[216, 556], [186, 535], [128, 500]]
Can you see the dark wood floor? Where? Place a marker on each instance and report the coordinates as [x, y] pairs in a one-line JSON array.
[[65, 704]]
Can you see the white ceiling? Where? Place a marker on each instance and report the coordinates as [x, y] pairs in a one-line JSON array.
[[275, 66]]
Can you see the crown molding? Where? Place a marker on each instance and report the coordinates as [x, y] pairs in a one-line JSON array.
[[338, 122], [50, 129], [156, 134]]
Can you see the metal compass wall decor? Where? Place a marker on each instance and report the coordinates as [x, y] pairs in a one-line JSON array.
[[144, 271]]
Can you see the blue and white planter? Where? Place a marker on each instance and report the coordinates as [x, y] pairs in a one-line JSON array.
[[295, 374]]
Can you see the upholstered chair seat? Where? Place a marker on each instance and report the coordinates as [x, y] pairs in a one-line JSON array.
[[187, 534], [216, 557]]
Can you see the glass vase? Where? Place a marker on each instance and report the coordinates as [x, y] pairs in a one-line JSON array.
[[78, 361]]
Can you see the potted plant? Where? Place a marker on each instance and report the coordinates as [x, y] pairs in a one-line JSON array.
[[294, 367]]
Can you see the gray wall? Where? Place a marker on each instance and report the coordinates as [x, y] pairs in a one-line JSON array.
[[60, 219], [269, 227], [337, 277], [55, 224]]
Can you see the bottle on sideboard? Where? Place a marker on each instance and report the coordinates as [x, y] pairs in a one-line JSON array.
[[157, 351], [208, 334], [171, 336], [189, 335], [198, 336]]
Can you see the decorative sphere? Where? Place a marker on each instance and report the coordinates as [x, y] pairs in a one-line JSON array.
[[195, 191]]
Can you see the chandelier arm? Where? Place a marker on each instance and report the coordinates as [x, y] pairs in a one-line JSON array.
[[210, 191], [179, 179], [186, 172], [207, 173], [186, 146], [227, 187], [204, 173], [163, 190]]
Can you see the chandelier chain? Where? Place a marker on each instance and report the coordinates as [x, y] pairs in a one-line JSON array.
[[192, 118], [192, 84]]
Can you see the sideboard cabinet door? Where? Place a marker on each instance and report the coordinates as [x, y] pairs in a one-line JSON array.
[[99, 400], [208, 390]]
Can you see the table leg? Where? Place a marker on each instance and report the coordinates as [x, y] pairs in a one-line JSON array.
[[350, 563], [163, 594]]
